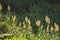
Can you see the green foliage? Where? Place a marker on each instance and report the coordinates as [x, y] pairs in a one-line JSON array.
[[24, 30], [6, 23]]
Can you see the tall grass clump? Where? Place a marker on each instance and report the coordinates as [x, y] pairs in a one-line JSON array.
[[36, 19]]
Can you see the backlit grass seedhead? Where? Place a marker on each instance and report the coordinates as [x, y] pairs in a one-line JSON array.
[[27, 20], [44, 30], [47, 19], [0, 7], [13, 18], [29, 27], [47, 29], [56, 27], [38, 22], [51, 29], [8, 8]]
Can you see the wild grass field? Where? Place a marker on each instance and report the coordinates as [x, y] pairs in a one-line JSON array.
[[41, 22]]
